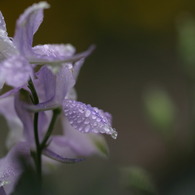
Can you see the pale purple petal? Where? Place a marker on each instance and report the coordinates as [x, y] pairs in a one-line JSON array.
[[7, 109], [64, 82], [56, 87], [10, 92], [77, 67], [62, 57], [2, 80], [11, 167], [15, 71], [74, 143], [72, 94], [84, 143], [107, 115], [26, 118], [2, 23], [87, 119], [64, 146], [2, 191], [27, 25], [54, 51], [7, 48], [47, 81], [44, 121], [55, 156]]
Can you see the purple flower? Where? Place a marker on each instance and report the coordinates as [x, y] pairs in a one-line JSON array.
[[7, 109], [56, 91], [11, 167], [82, 124], [2, 191], [18, 57], [82, 117], [74, 143]]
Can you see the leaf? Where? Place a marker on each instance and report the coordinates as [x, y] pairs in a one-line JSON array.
[[160, 110], [186, 42], [138, 179]]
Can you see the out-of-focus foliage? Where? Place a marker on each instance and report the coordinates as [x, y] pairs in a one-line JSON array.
[[137, 180], [186, 41], [160, 110]]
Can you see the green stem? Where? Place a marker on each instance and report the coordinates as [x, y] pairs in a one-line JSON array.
[[41, 146], [35, 101], [56, 112], [34, 97], [38, 148]]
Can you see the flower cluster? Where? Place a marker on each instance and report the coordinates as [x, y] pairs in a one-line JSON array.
[[42, 78]]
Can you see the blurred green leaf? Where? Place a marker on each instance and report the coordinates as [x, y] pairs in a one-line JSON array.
[[160, 110], [102, 148], [186, 41], [137, 179]]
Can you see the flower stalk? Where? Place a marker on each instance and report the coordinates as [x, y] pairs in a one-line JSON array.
[[44, 143], [35, 101], [40, 146], [81, 123]]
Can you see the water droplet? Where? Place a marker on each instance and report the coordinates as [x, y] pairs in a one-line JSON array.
[[95, 131], [93, 116], [86, 121], [87, 113], [81, 110], [80, 128], [87, 128], [96, 109], [100, 125], [106, 129], [114, 134], [79, 120], [98, 120], [69, 66]]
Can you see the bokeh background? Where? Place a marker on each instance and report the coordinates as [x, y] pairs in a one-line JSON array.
[[142, 72]]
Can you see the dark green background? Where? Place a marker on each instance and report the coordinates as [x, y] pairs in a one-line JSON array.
[[136, 48]]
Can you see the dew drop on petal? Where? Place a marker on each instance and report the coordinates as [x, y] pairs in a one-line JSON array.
[[81, 110], [80, 128], [93, 116], [79, 120], [114, 134], [96, 109], [87, 113], [86, 121], [66, 110], [98, 119], [106, 129], [87, 128]]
